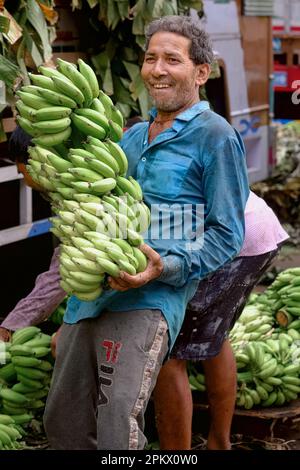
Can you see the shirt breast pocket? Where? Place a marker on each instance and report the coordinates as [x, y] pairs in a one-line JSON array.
[[166, 175]]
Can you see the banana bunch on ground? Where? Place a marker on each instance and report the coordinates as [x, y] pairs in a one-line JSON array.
[[266, 344], [64, 99], [24, 380], [10, 433], [100, 214]]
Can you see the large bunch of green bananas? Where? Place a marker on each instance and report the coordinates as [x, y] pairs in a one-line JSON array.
[[76, 158], [25, 376]]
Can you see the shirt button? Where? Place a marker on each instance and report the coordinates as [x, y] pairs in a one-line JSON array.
[[144, 159]]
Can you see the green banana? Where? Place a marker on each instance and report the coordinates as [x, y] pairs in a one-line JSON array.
[[119, 155], [87, 198], [12, 396], [79, 161], [115, 131], [127, 186], [31, 100], [89, 296], [102, 168], [87, 265], [71, 72], [50, 140], [85, 174], [117, 116], [97, 106], [60, 164], [104, 186], [53, 126], [103, 155], [27, 126], [80, 287], [57, 99], [71, 251], [68, 88], [26, 111], [106, 102], [94, 116], [93, 253], [109, 267], [24, 334], [86, 278], [141, 259], [42, 81]]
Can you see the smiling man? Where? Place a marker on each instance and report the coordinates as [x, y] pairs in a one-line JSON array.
[[110, 351]]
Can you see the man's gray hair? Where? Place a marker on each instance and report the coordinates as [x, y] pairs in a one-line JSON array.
[[201, 51]]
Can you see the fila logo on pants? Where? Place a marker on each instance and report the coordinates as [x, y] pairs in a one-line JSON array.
[[106, 371]]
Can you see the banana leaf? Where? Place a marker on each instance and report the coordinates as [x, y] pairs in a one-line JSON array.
[[9, 71], [32, 48], [36, 18], [113, 16]]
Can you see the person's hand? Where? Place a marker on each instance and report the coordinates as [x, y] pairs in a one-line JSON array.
[[4, 334], [153, 270], [53, 343]]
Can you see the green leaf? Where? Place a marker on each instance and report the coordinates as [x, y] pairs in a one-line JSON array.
[[107, 85], [8, 71], [158, 8], [36, 18], [113, 16], [21, 62], [92, 3], [123, 7], [138, 25]]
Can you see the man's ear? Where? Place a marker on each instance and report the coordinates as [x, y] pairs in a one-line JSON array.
[[203, 73]]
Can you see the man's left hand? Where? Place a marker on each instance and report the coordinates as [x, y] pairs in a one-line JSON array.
[[153, 270]]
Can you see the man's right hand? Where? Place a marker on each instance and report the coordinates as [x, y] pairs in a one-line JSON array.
[[4, 334]]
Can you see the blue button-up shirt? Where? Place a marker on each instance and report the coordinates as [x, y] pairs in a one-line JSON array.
[[197, 163]]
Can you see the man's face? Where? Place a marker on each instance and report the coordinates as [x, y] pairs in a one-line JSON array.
[[171, 77]]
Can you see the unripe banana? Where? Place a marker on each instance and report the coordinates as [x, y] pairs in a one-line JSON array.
[[115, 131], [53, 126], [27, 126], [67, 217], [33, 101], [89, 296], [31, 373], [91, 221], [97, 142], [66, 178], [109, 267], [88, 127], [68, 88], [92, 208], [97, 106], [13, 396], [49, 140], [25, 111], [94, 116], [24, 334], [86, 278], [78, 287], [104, 186], [81, 152], [88, 266], [42, 81], [90, 76], [117, 116], [60, 164], [93, 253], [71, 72], [81, 186], [85, 174], [124, 245], [127, 267], [127, 186], [141, 259], [106, 102], [71, 251], [119, 155], [67, 193], [52, 112], [49, 170], [81, 228], [87, 198], [68, 263], [103, 156], [57, 99], [66, 287], [79, 161], [25, 361], [49, 72], [134, 238], [102, 168]]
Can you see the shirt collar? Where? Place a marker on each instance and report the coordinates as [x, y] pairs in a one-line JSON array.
[[186, 115]]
